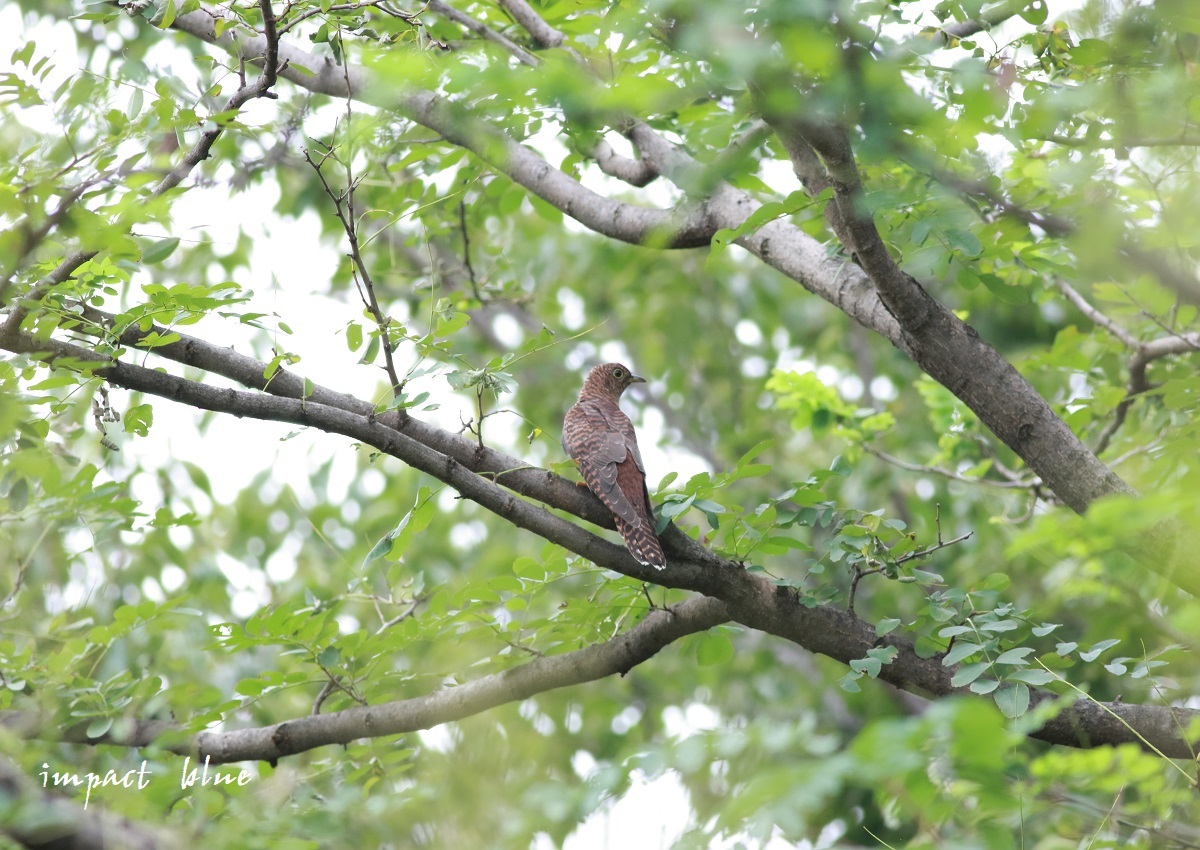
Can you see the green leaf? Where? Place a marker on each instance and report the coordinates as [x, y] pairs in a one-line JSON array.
[[1015, 656], [867, 666], [18, 495], [138, 419], [1012, 699], [964, 241], [158, 251], [960, 650], [969, 673], [1032, 676], [673, 508], [1097, 648], [715, 647], [1007, 293], [546, 210], [885, 626], [1036, 12], [98, 727], [168, 14], [249, 687]]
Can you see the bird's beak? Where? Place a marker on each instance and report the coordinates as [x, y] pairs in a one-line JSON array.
[[634, 379]]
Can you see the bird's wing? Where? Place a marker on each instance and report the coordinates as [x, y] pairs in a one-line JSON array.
[[600, 438], [597, 441]]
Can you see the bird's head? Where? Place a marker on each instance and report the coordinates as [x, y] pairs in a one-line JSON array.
[[609, 380]]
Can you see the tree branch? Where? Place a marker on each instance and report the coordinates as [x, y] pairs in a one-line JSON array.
[[360, 272], [992, 17], [635, 172], [543, 35], [617, 656], [888, 301], [750, 600], [684, 227], [1171, 276], [32, 236], [483, 31]]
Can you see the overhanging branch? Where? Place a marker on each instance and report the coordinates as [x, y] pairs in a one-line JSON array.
[[747, 598], [683, 227], [269, 743]]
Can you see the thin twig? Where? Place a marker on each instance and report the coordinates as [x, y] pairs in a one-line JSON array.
[[23, 568], [466, 240], [483, 31], [1015, 484], [1144, 353], [409, 17], [402, 616], [1094, 315], [879, 566], [343, 207]]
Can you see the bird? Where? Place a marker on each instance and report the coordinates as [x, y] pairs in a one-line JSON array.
[[599, 437]]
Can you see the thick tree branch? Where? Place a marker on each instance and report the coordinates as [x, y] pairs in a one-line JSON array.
[[891, 303], [749, 599], [635, 172], [543, 35], [269, 743], [685, 227]]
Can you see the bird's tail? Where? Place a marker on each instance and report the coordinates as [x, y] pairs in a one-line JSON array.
[[642, 543]]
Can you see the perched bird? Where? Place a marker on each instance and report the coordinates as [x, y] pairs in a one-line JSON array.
[[600, 439]]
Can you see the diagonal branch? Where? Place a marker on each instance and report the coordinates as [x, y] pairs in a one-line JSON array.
[[32, 236], [684, 227], [483, 31], [750, 599], [543, 35], [881, 297], [616, 656]]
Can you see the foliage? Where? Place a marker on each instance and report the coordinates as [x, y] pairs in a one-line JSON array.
[[167, 562]]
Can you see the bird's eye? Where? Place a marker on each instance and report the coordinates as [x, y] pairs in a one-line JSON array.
[[618, 373]]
